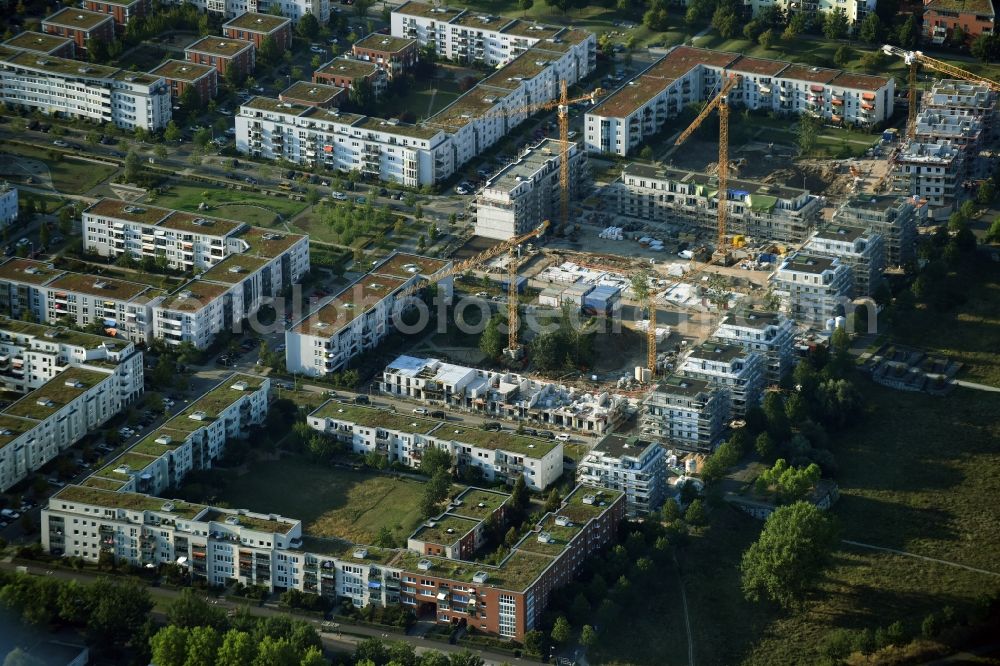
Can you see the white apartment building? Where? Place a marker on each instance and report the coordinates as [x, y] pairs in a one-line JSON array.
[[413, 155], [892, 217], [193, 439], [56, 414], [638, 110], [82, 90], [361, 316], [856, 10], [764, 212], [499, 456], [8, 204], [292, 9], [466, 36], [770, 334], [631, 465], [526, 192], [813, 289], [857, 247], [684, 413], [960, 127], [952, 94], [502, 394], [931, 171], [739, 372]]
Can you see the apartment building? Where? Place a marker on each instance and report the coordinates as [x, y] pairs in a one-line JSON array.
[[349, 73], [396, 56], [42, 44], [856, 10], [80, 26], [942, 17], [638, 110], [526, 192], [956, 95], [304, 93], [413, 155], [466, 36], [181, 74], [122, 11], [8, 204], [193, 439], [764, 212], [290, 9], [813, 289], [630, 465], [770, 334], [684, 413], [256, 27], [218, 545], [359, 317], [71, 384], [223, 53], [892, 217], [931, 171], [502, 394], [498, 456], [95, 92], [960, 127], [858, 248], [739, 372]]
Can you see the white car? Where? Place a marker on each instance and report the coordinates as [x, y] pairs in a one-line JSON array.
[[338, 196], [317, 49], [461, 190], [420, 410], [562, 437], [60, 143]]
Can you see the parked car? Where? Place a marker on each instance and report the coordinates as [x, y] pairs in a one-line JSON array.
[[60, 143], [361, 400], [493, 426], [562, 437], [545, 434], [10, 514], [338, 196], [438, 414], [420, 410]]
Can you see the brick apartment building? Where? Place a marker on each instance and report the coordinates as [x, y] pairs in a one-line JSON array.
[[80, 25], [393, 55], [122, 11], [43, 44], [254, 27], [346, 73], [941, 17], [313, 94], [179, 74], [223, 53]]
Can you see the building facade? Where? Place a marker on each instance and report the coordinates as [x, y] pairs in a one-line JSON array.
[[43, 44], [181, 74], [291, 9], [739, 372], [80, 26], [892, 217], [396, 56], [638, 110], [8, 204], [931, 171], [122, 11], [630, 465], [684, 413], [943, 17], [860, 249], [764, 212], [813, 289], [223, 53], [349, 73], [770, 334], [255, 27]]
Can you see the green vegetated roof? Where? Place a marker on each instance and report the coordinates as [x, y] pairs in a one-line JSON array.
[[128, 501], [530, 447], [445, 530], [58, 392], [257, 522], [371, 417], [213, 403], [761, 203], [133, 461], [102, 483]]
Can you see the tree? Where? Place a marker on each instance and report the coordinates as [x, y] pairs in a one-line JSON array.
[[203, 137], [313, 657], [520, 500], [191, 610], [808, 131], [958, 36], [238, 649], [986, 48], [725, 21], [670, 511], [987, 193], [533, 641], [588, 636], [275, 652], [435, 460], [525, 5], [384, 538], [797, 25], [172, 132], [835, 24], [561, 5], [873, 61], [202, 647], [491, 342], [269, 54], [561, 631], [871, 30], [752, 30], [908, 32], [777, 420], [993, 234], [44, 235], [133, 166], [307, 27], [118, 610], [553, 501], [510, 539], [657, 17], [695, 514], [789, 554], [843, 55], [646, 153], [767, 38], [764, 445]]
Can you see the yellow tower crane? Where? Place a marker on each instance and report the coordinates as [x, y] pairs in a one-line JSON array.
[[719, 102], [916, 58]]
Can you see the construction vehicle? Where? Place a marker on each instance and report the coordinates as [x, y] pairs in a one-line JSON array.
[[562, 104], [721, 103], [916, 58]]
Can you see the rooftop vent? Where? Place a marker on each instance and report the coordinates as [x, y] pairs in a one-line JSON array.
[[480, 577], [424, 565], [240, 386], [450, 530], [482, 505], [74, 383], [563, 521], [44, 402], [5, 432], [165, 440], [232, 520], [51, 333], [198, 416], [235, 269], [589, 499], [30, 270], [167, 506], [185, 294], [545, 537], [360, 553], [201, 222], [123, 469], [100, 284]]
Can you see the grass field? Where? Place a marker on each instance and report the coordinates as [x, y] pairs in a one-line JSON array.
[[251, 207], [68, 175], [329, 502], [428, 97]]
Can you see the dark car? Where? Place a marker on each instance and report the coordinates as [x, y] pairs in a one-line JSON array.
[[493, 426], [545, 434], [361, 400], [530, 431], [438, 414]]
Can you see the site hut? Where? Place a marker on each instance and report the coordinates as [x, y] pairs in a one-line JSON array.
[[631, 465], [771, 334], [179, 74], [80, 25], [740, 373], [857, 247], [891, 216], [685, 413], [813, 289], [398, 437], [396, 56], [43, 44], [223, 53], [931, 171], [255, 27], [50, 85], [348, 73], [527, 192], [122, 11], [8, 204]]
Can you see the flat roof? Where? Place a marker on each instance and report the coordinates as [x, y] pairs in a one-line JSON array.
[[480, 20], [62, 66], [219, 46], [405, 265], [860, 81], [439, 13], [469, 107], [347, 67], [445, 530], [253, 521], [805, 262], [835, 230], [522, 28], [182, 70], [59, 390], [478, 503], [526, 66], [199, 224], [752, 319], [350, 303], [234, 269], [28, 270], [274, 105], [97, 285], [128, 501], [525, 167], [371, 417], [131, 212], [60, 334], [530, 447], [268, 243], [577, 508], [620, 446], [758, 66], [717, 351], [193, 296], [214, 402], [682, 386], [304, 92], [256, 22], [37, 41], [977, 7], [392, 126], [388, 43], [12, 427], [79, 19], [810, 73]]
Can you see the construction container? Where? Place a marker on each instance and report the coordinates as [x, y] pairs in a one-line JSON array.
[[575, 293], [601, 300], [550, 297], [520, 282]]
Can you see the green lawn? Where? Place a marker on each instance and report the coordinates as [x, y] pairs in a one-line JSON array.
[[428, 97], [69, 175], [251, 207], [329, 502]]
